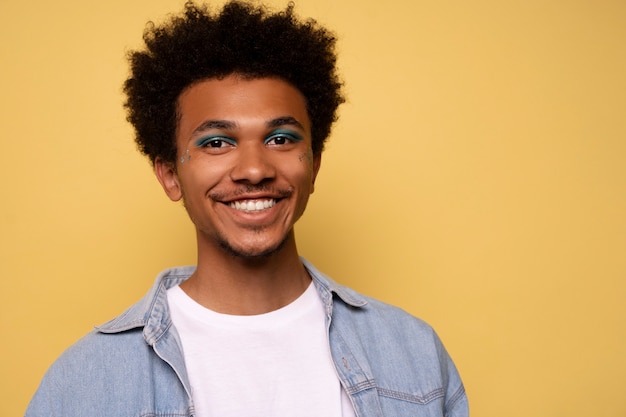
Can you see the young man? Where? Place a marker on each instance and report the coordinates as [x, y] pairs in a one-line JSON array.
[[233, 110]]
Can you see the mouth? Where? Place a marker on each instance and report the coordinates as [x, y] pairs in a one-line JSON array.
[[252, 206]]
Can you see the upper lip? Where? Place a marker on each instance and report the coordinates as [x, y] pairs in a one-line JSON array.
[[252, 196]]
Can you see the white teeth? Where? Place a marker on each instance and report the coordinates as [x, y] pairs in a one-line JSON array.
[[253, 205]]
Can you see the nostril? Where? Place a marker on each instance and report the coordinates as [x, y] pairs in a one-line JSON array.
[[253, 172]]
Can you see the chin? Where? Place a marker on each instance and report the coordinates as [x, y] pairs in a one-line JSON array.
[[251, 253]]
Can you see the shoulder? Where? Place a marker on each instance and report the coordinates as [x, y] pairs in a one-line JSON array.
[[382, 320], [351, 310], [87, 370], [97, 355], [402, 354]]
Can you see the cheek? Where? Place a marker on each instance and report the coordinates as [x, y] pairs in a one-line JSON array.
[[307, 158], [303, 174], [185, 157], [200, 176]]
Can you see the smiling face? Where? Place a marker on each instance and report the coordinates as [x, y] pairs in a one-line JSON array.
[[244, 164]]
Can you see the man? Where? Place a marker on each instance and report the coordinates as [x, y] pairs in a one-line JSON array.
[[233, 110]]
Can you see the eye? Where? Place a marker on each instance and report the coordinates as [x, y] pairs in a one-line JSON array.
[[278, 140], [215, 143], [282, 137]]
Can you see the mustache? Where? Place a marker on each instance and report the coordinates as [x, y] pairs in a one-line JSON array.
[[250, 189]]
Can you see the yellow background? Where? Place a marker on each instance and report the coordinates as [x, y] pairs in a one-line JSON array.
[[477, 178]]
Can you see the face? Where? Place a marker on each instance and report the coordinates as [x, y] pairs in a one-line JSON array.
[[244, 168]]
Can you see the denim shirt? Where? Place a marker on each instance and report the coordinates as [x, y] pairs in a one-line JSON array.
[[389, 363]]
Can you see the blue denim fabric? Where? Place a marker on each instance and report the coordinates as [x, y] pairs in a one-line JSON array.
[[390, 363]]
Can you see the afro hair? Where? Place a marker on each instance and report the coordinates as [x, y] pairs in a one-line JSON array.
[[241, 39]]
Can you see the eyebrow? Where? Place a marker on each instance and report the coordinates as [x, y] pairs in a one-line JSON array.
[[229, 125], [214, 124], [285, 121]]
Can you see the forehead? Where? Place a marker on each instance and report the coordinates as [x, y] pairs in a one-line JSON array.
[[239, 100]]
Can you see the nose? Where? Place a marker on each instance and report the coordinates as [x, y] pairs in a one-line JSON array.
[[253, 164]]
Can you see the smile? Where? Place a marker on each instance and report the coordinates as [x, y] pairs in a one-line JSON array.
[[252, 205]]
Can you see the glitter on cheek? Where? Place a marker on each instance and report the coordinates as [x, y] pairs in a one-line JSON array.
[[306, 156], [187, 155]]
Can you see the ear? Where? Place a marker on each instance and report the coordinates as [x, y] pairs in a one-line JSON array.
[[317, 162], [167, 176]]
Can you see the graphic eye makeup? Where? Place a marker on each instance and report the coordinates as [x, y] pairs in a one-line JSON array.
[[280, 137], [215, 142]]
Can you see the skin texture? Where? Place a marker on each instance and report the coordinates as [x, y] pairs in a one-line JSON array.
[[242, 140]]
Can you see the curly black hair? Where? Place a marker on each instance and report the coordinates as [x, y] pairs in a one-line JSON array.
[[242, 39]]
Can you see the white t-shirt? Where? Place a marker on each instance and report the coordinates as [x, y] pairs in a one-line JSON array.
[[276, 364]]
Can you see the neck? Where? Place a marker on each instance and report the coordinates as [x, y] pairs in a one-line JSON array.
[[247, 286]]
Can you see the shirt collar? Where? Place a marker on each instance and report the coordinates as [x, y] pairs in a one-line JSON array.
[[326, 285]]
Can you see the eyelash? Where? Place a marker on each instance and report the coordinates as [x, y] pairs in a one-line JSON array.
[[207, 141], [288, 136]]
